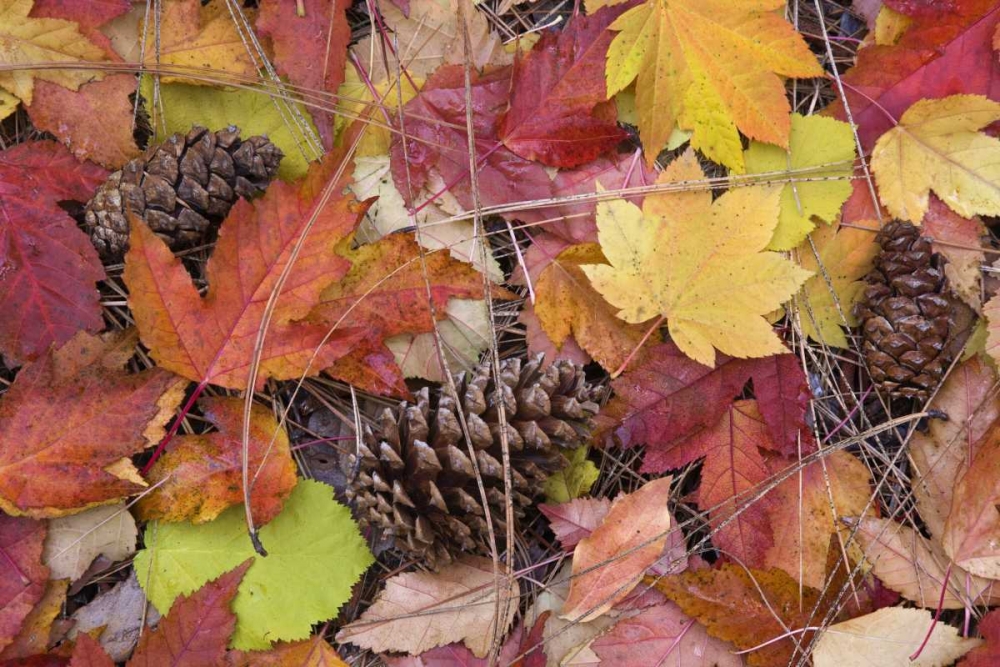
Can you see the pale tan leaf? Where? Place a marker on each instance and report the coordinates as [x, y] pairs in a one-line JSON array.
[[418, 611], [889, 637], [915, 567], [74, 541]]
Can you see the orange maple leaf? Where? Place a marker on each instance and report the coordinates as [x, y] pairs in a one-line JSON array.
[[70, 421], [212, 339]]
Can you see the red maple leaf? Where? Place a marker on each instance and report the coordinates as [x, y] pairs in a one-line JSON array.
[[733, 471], [48, 269], [559, 114], [947, 50], [667, 397], [310, 48], [196, 630], [436, 143]]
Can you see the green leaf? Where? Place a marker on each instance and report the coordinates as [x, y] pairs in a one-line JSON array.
[[215, 108], [820, 148], [315, 555], [572, 481]]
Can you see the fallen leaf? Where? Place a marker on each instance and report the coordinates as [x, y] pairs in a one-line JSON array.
[[700, 263], [75, 541], [806, 509], [465, 334], [574, 480], [572, 521], [201, 475], [88, 15], [185, 105], [959, 240], [748, 608], [71, 419], [117, 615], [48, 268], [313, 534], [558, 113], [211, 338], [663, 635], [437, 145], [429, 35], [917, 568], [88, 653], [385, 292], [368, 101], [936, 146], [969, 536], [310, 43], [840, 258], [313, 652], [194, 40], [783, 397], [891, 636], [518, 643], [33, 637], [27, 42], [818, 148], [94, 122], [712, 67], [988, 653], [438, 230], [610, 562], [733, 471], [567, 305], [196, 630], [22, 575], [941, 455], [945, 51], [576, 221], [418, 611]]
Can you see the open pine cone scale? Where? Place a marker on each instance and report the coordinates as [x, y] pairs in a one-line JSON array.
[[414, 478]]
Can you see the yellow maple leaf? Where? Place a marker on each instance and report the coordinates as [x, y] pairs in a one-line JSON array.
[[698, 263], [710, 66], [936, 146], [821, 149], [839, 258], [27, 42], [196, 38], [355, 100]]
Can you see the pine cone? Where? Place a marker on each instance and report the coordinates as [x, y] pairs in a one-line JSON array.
[[182, 188], [413, 477], [906, 315]]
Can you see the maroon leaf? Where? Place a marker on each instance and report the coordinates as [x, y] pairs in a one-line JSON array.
[[782, 392], [48, 269], [558, 112], [22, 575], [437, 144], [573, 521]]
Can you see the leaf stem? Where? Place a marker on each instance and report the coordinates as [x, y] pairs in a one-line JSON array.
[[175, 426]]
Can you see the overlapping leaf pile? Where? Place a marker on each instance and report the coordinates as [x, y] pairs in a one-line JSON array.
[[646, 190]]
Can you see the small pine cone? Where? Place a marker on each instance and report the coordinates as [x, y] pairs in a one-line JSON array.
[[414, 480], [906, 315], [182, 188]]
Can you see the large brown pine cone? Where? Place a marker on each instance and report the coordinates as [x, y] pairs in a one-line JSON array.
[[413, 477], [182, 188], [906, 315]]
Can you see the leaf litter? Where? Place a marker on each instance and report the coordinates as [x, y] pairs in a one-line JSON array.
[[851, 494]]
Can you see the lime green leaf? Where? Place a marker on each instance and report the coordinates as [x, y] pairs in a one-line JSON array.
[[253, 112], [572, 481], [820, 148], [315, 555]]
